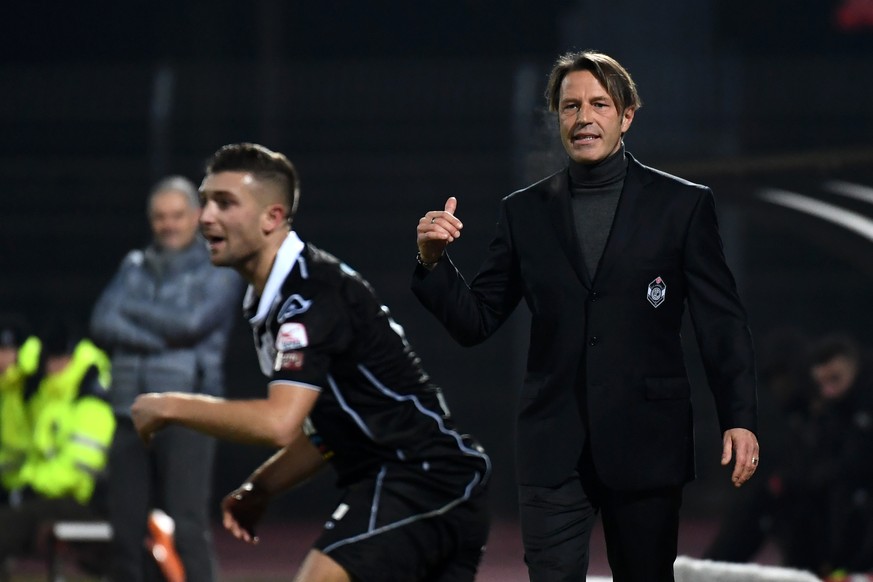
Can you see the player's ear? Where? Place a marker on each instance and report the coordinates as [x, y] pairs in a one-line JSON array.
[[274, 217]]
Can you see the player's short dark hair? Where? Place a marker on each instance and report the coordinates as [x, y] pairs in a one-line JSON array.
[[264, 164], [834, 346], [614, 78]]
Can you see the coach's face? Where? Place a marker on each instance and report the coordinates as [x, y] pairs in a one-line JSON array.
[[231, 218], [591, 125]]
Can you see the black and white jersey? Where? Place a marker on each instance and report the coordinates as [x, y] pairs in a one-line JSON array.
[[319, 325]]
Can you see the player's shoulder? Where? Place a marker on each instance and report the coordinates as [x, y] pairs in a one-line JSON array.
[[319, 265], [318, 272], [320, 288]]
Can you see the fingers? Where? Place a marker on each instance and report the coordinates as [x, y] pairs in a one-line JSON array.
[[438, 228], [743, 471], [236, 517], [146, 415], [237, 530], [744, 447], [451, 205], [144, 433], [727, 449], [442, 224]]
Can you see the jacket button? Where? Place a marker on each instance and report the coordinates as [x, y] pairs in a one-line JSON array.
[[593, 297], [592, 341]]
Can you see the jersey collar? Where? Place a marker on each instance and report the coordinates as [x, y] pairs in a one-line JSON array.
[[286, 258]]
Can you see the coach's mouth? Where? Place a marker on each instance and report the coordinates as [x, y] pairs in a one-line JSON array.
[[584, 138]]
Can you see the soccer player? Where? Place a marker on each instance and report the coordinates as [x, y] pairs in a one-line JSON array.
[[344, 388]]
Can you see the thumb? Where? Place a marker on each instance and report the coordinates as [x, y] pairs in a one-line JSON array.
[[727, 451], [451, 205]]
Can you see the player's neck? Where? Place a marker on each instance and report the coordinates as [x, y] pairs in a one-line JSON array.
[[262, 263]]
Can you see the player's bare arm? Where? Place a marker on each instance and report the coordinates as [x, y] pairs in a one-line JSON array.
[[274, 421], [243, 507]]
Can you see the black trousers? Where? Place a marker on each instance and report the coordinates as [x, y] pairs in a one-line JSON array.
[[174, 474], [641, 529]]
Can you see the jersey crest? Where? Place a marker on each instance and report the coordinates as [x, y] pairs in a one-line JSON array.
[[294, 305]]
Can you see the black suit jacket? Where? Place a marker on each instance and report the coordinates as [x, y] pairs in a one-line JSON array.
[[605, 360]]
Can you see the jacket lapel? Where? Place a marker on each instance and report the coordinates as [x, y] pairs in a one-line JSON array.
[[627, 218], [561, 214]]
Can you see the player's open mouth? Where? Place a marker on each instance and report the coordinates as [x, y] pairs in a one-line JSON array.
[[214, 241]]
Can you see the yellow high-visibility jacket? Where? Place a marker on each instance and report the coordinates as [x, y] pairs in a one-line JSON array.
[[73, 426], [15, 427]]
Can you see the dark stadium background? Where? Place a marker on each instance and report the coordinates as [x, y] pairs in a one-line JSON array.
[[387, 108]]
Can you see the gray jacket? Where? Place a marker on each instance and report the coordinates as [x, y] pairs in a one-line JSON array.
[[165, 318]]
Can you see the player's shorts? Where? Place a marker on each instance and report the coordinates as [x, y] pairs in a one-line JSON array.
[[398, 527]]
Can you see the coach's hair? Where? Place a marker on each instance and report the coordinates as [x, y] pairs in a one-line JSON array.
[[614, 77], [263, 164], [175, 184]]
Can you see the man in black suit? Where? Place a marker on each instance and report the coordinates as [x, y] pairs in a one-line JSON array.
[[606, 253]]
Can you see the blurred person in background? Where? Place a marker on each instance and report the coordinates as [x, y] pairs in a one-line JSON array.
[[829, 494], [753, 514], [345, 389], [19, 360], [815, 502], [72, 424], [607, 253], [165, 319]]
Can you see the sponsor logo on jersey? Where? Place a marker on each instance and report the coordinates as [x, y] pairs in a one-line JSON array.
[[291, 336], [657, 292], [294, 305], [289, 361]]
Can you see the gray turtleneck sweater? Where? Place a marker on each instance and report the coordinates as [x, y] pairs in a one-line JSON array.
[[594, 193]]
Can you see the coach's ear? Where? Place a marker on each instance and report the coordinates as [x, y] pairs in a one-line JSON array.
[[274, 217], [626, 119]]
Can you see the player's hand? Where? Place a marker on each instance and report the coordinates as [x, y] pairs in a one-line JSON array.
[[148, 416], [742, 445], [436, 229], [241, 511]]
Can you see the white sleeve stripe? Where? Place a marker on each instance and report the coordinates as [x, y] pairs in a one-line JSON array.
[[293, 383]]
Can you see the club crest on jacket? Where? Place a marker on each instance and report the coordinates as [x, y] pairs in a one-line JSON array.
[[657, 292]]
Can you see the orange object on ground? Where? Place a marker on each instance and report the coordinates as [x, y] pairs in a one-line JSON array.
[[160, 543]]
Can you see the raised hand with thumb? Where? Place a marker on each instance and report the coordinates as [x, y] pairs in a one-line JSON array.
[[436, 229]]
